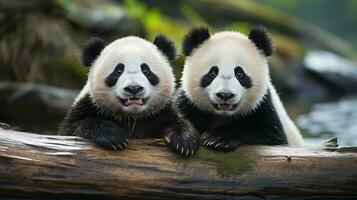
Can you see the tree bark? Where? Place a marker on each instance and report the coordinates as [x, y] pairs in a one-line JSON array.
[[43, 166]]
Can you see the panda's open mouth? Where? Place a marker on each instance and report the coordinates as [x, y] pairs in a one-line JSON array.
[[225, 106], [133, 101]]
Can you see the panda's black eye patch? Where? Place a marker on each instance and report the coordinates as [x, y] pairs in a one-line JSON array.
[[146, 72], [113, 77], [213, 74], [207, 79], [151, 76], [242, 77], [119, 69]]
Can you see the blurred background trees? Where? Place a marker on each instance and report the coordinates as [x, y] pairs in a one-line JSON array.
[[315, 59]]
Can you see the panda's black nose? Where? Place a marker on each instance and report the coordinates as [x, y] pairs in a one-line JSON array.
[[133, 89], [225, 96]]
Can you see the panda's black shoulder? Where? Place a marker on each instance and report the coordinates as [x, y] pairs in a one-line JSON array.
[[264, 114], [199, 118], [264, 124], [183, 102], [86, 106], [83, 108]]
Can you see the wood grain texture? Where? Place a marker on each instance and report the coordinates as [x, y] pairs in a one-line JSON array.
[[43, 166]]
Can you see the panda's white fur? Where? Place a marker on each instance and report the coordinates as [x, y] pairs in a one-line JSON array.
[[292, 132], [215, 52], [227, 50], [132, 52]]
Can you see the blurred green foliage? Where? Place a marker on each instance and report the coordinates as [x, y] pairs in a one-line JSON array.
[[40, 40], [111, 19], [154, 22], [336, 16]]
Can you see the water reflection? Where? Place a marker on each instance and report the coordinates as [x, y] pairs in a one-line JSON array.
[[337, 119]]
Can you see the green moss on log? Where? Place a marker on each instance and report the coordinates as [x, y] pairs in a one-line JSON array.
[[230, 164]]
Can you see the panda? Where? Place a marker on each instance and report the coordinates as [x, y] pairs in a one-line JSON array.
[[226, 91], [128, 94]]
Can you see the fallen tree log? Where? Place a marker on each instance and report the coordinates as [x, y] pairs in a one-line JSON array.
[[43, 166]]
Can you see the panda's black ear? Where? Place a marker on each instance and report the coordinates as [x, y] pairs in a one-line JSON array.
[[166, 46], [91, 51], [193, 39], [261, 39]]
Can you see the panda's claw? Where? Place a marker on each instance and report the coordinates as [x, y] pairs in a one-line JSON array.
[[220, 142], [206, 143], [110, 141], [183, 143]]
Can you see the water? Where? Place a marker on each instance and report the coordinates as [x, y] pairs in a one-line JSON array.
[[324, 61], [332, 119]]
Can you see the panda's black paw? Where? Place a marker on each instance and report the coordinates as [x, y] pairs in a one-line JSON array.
[[111, 141], [184, 144], [220, 141], [105, 134]]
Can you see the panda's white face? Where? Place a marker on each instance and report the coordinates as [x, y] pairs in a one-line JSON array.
[[225, 90], [226, 74], [131, 76]]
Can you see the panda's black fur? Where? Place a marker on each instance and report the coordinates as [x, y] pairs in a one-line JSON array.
[[262, 40], [259, 126], [89, 121], [194, 38], [92, 49], [165, 46], [111, 131]]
